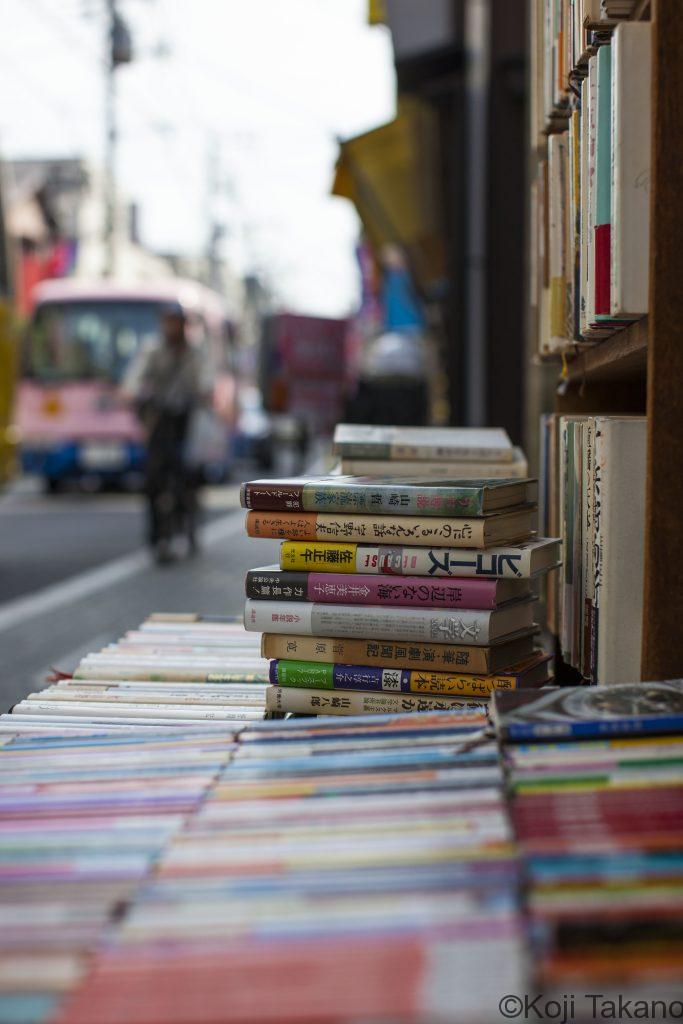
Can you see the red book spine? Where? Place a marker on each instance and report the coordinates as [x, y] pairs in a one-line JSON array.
[[602, 270]]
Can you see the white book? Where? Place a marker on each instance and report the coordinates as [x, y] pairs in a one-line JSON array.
[[518, 468], [631, 127], [425, 625], [447, 444], [619, 514], [299, 700], [99, 711]]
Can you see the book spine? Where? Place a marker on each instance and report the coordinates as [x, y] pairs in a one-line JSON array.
[[370, 499], [454, 454], [310, 701], [373, 652], [494, 563], [270, 584], [603, 176], [588, 540], [273, 497], [456, 532], [631, 129], [322, 676], [437, 470], [428, 625], [385, 590], [519, 732]]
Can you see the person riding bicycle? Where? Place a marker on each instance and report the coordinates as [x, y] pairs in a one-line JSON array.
[[166, 382]]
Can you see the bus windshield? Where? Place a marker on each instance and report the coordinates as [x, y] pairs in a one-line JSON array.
[[89, 339]]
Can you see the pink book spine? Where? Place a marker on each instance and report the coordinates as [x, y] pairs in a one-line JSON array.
[[349, 588]]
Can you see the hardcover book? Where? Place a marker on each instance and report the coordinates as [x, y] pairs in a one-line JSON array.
[[465, 444], [316, 702], [319, 675], [521, 561], [584, 712], [413, 655], [271, 583], [457, 532], [418, 497], [428, 625]]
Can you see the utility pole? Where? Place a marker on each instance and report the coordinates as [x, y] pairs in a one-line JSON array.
[[215, 230], [118, 50]]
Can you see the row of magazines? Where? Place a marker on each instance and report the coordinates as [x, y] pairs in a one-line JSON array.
[[169, 855]]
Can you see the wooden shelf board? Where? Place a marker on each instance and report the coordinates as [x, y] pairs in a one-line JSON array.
[[622, 356]]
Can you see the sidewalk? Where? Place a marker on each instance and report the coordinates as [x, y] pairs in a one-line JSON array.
[[60, 624]]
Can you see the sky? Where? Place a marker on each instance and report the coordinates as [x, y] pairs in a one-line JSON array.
[[266, 86]]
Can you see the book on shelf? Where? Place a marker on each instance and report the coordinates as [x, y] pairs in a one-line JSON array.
[[586, 712], [452, 531], [521, 561], [419, 497], [271, 583], [533, 671], [428, 625], [457, 444], [600, 464], [516, 468], [302, 701], [631, 131], [413, 655]]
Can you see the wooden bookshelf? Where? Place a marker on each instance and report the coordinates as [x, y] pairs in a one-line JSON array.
[[622, 356], [640, 369]]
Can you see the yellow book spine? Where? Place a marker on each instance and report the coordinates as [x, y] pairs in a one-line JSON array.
[[459, 686], [557, 305], [318, 557]]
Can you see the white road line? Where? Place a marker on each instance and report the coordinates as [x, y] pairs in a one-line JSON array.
[[93, 580]]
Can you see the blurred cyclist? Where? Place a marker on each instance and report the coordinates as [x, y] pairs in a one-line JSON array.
[[167, 381]]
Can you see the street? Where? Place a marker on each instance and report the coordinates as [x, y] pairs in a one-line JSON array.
[[74, 575]]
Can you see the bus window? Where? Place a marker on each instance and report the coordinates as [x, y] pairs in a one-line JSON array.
[[87, 340]]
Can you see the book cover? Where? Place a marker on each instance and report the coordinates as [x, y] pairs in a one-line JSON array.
[[584, 712], [558, 202], [413, 655], [319, 675], [282, 699], [466, 444], [271, 583], [522, 561], [418, 497], [631, 146], [428, 625], [457, 532]]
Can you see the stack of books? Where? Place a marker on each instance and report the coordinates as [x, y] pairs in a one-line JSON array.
[[597, 800], [395, 595], [462, 453], [151, 676], [357, 870]]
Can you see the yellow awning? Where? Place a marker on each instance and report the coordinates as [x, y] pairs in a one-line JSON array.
[[388, 175], [377, 14]]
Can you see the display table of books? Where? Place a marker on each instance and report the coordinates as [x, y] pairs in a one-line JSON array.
[[171, 863], [433, 835]]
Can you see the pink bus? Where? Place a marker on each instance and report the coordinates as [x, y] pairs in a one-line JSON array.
[[79, 342]]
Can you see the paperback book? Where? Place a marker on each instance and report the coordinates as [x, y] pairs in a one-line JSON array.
[[521, 561], [270, 583]]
